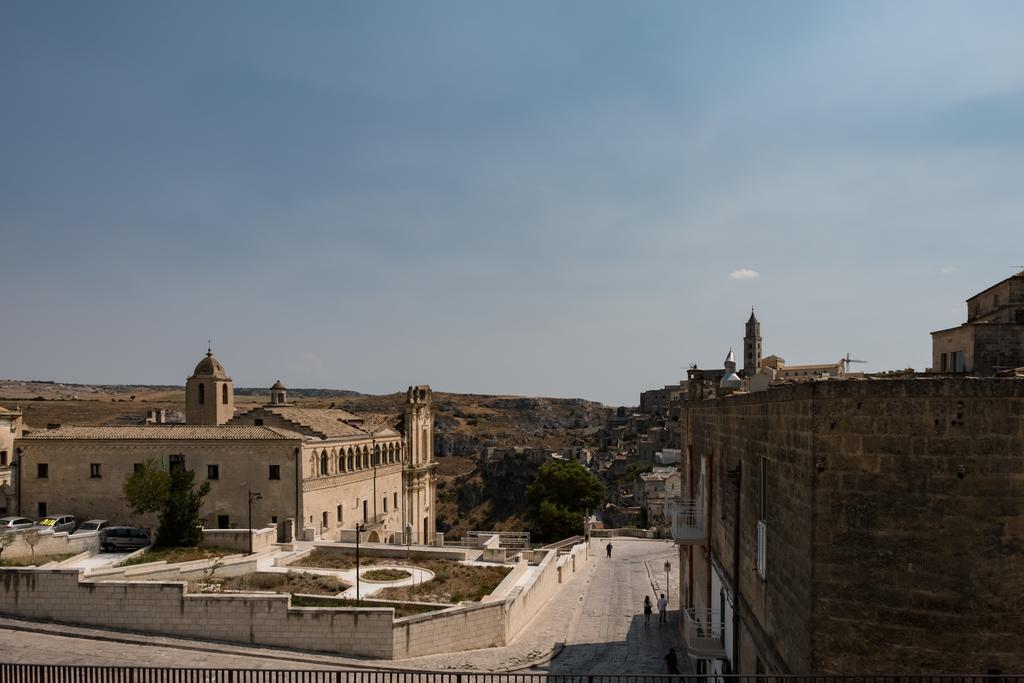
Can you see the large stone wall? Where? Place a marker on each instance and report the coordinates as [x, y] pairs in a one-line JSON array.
[[886, 560], [161, 606], [164, 608]]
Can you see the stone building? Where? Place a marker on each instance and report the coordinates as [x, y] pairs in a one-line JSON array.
[[11, 427], [879, 524], [752, 346], [327, 469], [992, 339]]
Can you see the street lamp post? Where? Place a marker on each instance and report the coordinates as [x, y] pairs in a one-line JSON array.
[[359, 532], [253, 495], [668, 586]]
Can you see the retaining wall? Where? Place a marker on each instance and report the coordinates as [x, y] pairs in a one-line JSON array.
[[50, 543], [164, 608], [238, 539], [120, 599]]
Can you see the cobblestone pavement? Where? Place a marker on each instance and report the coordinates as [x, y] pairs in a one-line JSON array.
[[597, 616], [609, 636]]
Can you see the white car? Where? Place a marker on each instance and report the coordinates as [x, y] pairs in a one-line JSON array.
[[15, 523]]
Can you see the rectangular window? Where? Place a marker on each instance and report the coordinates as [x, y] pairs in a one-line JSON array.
[[176, 462], [396, 501], [943, 365], [385, 503], [365, 514], [223, 522], [273, 520], [323, 519], [762, 551], [213, 471], [3, 457], [94, 470], [275, 472], [41, 509], [340, 516], [42, 470], [137, 467], [258, 422]]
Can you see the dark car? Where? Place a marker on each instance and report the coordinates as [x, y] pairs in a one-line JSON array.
[[123, 538], [15, 523]]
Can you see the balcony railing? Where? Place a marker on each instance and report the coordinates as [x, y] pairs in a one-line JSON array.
[[687, 517], [702, 632]]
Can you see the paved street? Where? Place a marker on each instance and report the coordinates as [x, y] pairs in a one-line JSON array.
[[598, 616]]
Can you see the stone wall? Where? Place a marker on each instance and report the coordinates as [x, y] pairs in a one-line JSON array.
[[59, 543], [238, 539], [146, 599], [998, 347], [881, 557], [164, 608]]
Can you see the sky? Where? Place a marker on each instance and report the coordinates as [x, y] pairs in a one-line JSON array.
[[572, 199]]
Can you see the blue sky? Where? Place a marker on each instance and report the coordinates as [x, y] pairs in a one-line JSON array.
[[533, 198]]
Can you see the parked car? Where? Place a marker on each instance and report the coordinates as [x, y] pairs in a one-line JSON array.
[[15, 523], [93, 525], [123, 538], [56, 523]]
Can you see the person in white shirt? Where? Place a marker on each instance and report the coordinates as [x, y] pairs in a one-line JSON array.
[[662, 610]]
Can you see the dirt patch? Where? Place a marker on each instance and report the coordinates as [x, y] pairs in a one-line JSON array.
[[324, 560], [176, 555], [292, 582], [385, 575], [452, 582], [37, 561]]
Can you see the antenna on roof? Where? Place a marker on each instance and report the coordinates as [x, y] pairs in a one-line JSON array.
[[209, 347], [849, 359]]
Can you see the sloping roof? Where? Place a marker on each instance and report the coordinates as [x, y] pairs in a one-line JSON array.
[[164, 433], [324, 422], [378, 422]]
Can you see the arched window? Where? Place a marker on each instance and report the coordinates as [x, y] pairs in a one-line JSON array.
[[202, 393], [341, 461], [323, 463], [376, 455], [351, 461], [224, 394], [366, 457]]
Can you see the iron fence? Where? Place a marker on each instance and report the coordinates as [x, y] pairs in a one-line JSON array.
[[52, 673]]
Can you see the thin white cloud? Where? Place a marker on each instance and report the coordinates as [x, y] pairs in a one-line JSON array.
[[744, 274], [947, 270]]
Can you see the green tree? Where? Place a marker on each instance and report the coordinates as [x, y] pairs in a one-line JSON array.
[[562, 494], [174, 495]]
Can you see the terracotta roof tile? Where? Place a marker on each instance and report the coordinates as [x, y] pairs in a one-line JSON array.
[[164, 432]]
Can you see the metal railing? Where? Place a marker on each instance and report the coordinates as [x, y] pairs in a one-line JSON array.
[[686, 516], [54, 673], [703, 633]]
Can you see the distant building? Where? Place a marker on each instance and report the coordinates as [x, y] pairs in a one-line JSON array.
[[992, 339], [11, 428], [327, 469]]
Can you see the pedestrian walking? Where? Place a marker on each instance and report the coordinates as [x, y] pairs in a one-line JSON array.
[[609, 549], [662, 610], [671, 661], [647, 610]]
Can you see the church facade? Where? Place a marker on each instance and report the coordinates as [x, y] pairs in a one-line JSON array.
[[330, 470]]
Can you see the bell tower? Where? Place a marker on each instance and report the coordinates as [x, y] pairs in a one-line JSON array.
[[418, 473], [209, 394], [752, 346]]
